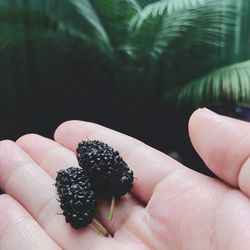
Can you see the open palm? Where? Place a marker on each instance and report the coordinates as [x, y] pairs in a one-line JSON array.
[[170, 206]]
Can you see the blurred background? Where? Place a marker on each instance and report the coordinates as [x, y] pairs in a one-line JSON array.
[[137, 66]]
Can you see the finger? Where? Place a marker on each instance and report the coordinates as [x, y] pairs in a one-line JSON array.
[[224, 145], [47, 154], [34, 189], [149, 165], [18, 230], [52, 157]]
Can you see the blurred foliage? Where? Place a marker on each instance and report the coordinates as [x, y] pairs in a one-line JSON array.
[[125, 64], [154, 46], [229, 84]]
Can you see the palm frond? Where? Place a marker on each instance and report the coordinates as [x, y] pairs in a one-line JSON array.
[[135, 5], [165, 6], [159, 25], [150, 10], [227, 84], [140, 4], [102, 23], [87, 10], [180, 5], [109, 20]]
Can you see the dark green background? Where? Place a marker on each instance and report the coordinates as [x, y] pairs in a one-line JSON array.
[[48, 80]]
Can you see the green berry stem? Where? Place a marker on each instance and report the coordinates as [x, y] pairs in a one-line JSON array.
[[111, 210], [99, 228]]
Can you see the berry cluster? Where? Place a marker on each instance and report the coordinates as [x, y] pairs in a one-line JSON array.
[[103, 173]]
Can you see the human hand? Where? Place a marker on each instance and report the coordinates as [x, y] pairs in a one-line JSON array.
[[170, 206]]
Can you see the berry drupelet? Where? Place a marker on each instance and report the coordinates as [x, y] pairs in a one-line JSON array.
[[77, 199], [108, 172]]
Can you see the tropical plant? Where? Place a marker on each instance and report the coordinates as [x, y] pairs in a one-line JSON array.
[[230, 84], [154, 46]]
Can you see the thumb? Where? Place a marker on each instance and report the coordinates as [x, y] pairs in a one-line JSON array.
[[224, 145]]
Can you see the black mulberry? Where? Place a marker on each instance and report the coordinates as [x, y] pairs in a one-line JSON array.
[[108, 172], [78, 200]]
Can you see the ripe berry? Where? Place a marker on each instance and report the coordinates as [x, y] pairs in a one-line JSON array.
[[108, 172], [78, 200]]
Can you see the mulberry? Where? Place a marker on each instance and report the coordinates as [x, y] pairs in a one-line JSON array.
[[77, 200], [108, 172]]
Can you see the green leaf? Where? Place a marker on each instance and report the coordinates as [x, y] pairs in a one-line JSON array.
[[180, 5], [163, 25], [227, 84], [109, 20], [135, 5], [86, 10]]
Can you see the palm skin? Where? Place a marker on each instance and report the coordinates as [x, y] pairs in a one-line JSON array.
[[170, 206]]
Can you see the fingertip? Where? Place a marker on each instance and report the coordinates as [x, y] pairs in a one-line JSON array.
[[69, 128], [66, 127], [202, 124], [6, 144], [27, 138], [205, 128], [7, 147], [198, 118], [194, 118], [221, 141]]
